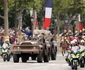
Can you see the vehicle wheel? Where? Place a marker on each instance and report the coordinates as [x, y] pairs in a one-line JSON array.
[[81, 64], [75, 67], [24, 58], [46, 58], [33, 57], [8, 58], [39, 58], [56, 51], [72, 68], [49, 54], [53, 54], [4, 59], [15, 58]]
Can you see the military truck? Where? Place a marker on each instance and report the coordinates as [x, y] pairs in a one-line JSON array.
[[31, 48], [40, 50], [53, 48]]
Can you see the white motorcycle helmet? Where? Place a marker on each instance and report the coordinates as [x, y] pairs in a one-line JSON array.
[[82, 42]]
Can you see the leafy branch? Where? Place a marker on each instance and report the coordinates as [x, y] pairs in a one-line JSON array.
[[2, 17]]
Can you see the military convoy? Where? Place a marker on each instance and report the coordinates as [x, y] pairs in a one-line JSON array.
[[36, 49]]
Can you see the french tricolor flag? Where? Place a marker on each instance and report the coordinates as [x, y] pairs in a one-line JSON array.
[[48, 12]]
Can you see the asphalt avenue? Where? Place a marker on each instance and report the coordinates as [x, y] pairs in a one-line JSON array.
[[58, 64]]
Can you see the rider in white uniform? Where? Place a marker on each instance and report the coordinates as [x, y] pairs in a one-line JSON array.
[[73, 48], [5, 44], [81, 45]]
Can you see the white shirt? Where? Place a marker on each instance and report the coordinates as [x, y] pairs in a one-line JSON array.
[[75, 48], [82, 47], [5, 45]]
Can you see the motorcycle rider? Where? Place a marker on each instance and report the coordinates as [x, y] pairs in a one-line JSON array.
[[72, 48], [5, 44], [81, 45]]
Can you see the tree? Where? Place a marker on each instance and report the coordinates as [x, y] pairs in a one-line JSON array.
[[5, 17]]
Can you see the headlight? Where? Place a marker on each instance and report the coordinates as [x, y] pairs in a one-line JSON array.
[[34, 47], [82, 54], [73, 56], [40, 46], [77, 57], [18, 47]]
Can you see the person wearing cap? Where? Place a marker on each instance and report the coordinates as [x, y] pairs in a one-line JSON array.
[[81, 45], [5, 44], [76, 42], [35, 36], [74, 47], [70, 32], [83, 31], [64, 32]]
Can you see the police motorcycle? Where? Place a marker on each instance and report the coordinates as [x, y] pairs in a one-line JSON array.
[[74, 59], [82, 58], [5, 54], [5, 51], [82, 53]]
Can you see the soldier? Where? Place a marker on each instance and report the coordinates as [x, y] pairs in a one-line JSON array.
[[48, 33], [80, 33], [76, 33], [83, 31], [64, 33], [36, 31], [35, 36], [70, 33]]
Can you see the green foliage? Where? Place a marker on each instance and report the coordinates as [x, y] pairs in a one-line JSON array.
[[69, 7], [61, 8]]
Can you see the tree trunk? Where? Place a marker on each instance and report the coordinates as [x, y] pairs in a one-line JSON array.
[[6, 19], [19, 26]]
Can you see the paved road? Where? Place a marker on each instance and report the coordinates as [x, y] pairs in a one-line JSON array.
[[59, 64]]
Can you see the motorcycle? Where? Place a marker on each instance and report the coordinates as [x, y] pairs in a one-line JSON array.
[[74, 60], [82, 58], [5, 54]]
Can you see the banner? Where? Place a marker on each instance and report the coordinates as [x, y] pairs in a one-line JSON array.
[[48, 12]]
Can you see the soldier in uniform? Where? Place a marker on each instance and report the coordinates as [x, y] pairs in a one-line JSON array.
[[83, 31], [64, 33]]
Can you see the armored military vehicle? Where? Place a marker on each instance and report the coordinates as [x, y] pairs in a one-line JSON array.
[[30, 48], [39, 49]]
